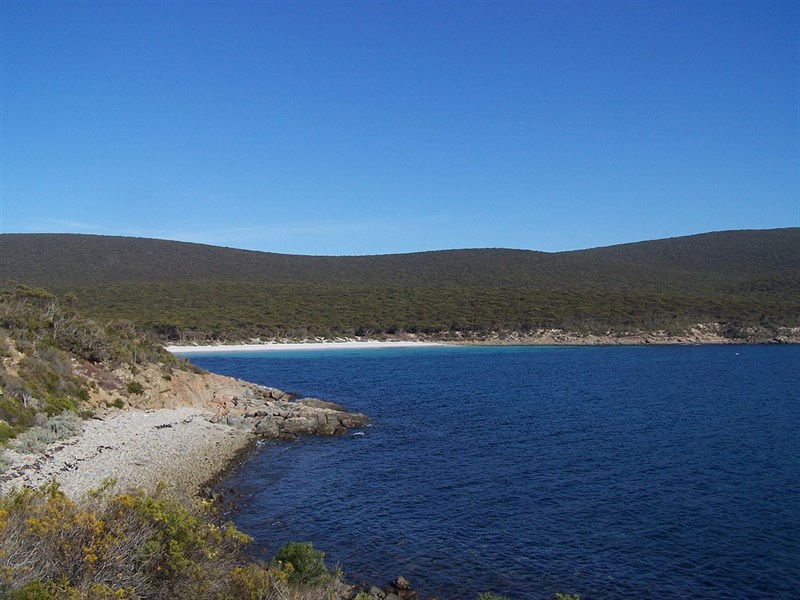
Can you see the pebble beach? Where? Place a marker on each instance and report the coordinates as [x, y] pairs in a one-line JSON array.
[[178, 447]]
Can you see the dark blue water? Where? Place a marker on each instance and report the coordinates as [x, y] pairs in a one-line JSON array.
[[608, 472]]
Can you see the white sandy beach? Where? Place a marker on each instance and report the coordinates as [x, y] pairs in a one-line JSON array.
[[279, 346]]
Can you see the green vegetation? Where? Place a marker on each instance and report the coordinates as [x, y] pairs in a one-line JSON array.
[[306, 565], [54, 428], [125, 546], [189, 292], [42, 341], [134, 387]]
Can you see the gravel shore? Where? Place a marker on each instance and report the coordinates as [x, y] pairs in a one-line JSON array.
[[139, 449]]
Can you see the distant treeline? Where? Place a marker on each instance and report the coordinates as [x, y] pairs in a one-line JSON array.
[[190, 291]]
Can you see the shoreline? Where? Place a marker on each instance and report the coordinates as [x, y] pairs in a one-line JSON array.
[[293, 346], [544, 339]]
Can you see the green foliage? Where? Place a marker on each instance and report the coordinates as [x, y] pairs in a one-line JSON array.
[[38, 590], [44, 338], [308, 565], [6, 432], [188, 292], [130, 545], [134, 387], [5, 463], [58, 427], [490, 596], [567, 596], [14, 412]]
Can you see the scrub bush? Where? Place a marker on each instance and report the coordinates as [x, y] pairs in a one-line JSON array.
[[59, 427], [307, 564], [5, 463], [134, 387], [6, 432], [132, 545]]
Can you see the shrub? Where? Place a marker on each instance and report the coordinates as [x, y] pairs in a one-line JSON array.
[[6, 432], [134, 387], [308, 565], [5, 346], [14, 412], [490, 596], [122, 542], [123, 546], [57, 405], [59, 427], [5, 463]]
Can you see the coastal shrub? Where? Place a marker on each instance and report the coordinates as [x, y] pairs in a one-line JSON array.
[[134, 387], [120, 546], [125, 542], [567, 596], [6, 432], [58, 427], [57, 405], [490, 596], [12, 408], [38, 590], [47, 374], [308, 564], [5, 462], [34, 440]]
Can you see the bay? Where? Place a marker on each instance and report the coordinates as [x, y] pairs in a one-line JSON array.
[[610, 472]]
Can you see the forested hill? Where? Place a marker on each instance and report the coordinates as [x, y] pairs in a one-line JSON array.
[[738, 277]]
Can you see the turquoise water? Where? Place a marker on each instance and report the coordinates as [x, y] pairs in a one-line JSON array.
[[608, 472]]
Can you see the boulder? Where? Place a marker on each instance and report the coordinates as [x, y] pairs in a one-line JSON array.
[[300, 425], [267, 427], [317, 403]]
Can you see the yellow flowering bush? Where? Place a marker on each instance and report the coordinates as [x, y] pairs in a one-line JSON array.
[[128, 545]]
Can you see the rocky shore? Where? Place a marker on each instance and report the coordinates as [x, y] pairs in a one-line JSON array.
[[178, 434]]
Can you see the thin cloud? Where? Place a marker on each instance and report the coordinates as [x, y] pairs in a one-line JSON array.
[[65, 226]]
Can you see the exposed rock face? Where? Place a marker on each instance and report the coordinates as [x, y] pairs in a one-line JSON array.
[[268, 412], [287, 419], [399, 589]]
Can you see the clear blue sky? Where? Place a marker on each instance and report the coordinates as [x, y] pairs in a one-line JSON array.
[[377, 127]]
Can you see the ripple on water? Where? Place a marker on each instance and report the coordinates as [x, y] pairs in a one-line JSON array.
[[608, 472]]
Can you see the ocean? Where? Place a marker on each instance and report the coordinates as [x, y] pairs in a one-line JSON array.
[[608, 472]]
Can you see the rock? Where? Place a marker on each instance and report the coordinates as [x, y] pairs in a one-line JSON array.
[[233, 421], [317, 403], [267, 428], [401, 583], [300, 425]]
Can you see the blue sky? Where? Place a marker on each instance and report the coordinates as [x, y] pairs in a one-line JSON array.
[[378, 127]]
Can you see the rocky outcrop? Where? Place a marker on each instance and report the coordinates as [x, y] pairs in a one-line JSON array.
[[286, 419], [268, 412], [399, 589]]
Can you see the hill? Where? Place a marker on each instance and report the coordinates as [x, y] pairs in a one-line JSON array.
[[191, 291]]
